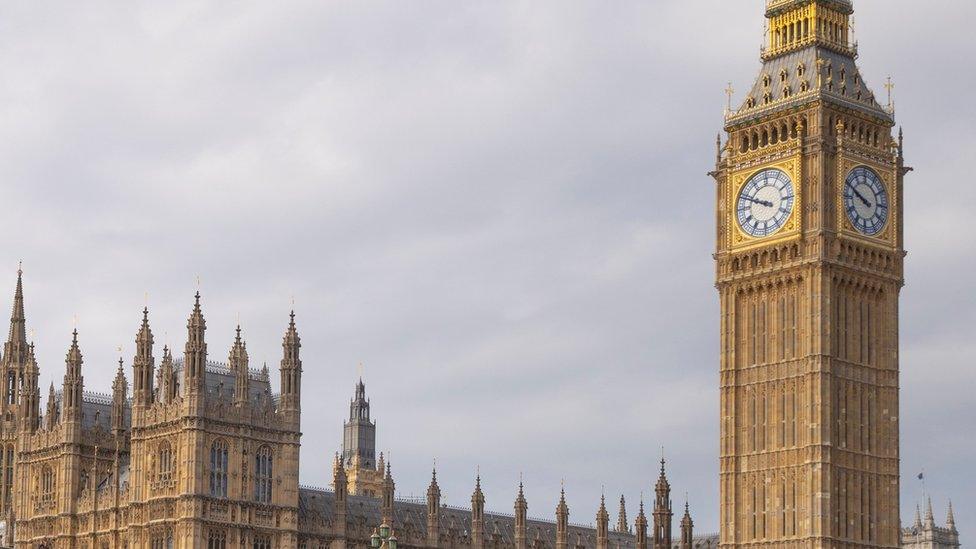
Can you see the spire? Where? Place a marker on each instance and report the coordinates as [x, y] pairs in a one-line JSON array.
[[662, 510], [195, 354], [167, 379], [17, 339], [73, 383], [389, 491], [120, 389], [622, 525], [562, 521], [143, 365], [602, 524], [929, 517], [918, 518], [521, 512], [433, 510], [640, 527], [477, 515], [950, 519], [238, 362], [291, 369], [52, 408], [687, 528], [31, 399]]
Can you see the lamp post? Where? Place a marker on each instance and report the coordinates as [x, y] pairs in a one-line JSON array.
[[383, 538]]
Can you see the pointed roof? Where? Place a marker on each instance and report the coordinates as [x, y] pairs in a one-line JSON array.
[[622, 515], [929, 517], [950, 518], [196, 320], [15, 350], [74, 358]]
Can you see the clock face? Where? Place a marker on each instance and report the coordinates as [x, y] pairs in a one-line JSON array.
[[866, 200], [765, 203]]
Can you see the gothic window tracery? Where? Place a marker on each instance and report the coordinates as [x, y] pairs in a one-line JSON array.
[[218, 469], [263, 474], [165, 464]]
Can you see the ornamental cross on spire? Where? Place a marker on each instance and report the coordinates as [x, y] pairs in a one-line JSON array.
[[729, 91], [890, 86]]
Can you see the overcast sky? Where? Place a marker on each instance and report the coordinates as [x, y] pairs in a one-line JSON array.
[[499, 208]]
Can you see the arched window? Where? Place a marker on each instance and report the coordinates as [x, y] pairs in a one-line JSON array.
[[218, 469], [217, 539], [263, 473], [165, 465], [47, 484]]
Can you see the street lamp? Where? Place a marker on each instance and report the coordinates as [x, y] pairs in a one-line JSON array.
[[383, 538]]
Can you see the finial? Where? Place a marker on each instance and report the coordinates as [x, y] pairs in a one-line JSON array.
[[890, 86], [729, 92], [20, 268]]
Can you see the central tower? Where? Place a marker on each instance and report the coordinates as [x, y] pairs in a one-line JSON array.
[[809, 261]]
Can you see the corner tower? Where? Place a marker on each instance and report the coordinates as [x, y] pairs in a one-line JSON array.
[[809, 266]]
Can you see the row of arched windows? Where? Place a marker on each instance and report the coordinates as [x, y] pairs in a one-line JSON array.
[[263, 472]]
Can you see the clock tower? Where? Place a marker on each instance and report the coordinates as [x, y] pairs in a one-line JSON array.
[[809, 266]]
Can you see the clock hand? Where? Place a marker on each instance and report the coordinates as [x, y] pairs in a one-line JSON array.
[[766, 203], [861, 196]]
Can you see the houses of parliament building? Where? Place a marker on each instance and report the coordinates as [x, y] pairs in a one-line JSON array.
[[187, 452]]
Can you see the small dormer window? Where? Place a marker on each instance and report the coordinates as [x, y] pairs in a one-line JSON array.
[[804, 86], [750, 102], [801, 70], [767, 98], [766, 81], [843, 74], [782, 75], [787, 91]]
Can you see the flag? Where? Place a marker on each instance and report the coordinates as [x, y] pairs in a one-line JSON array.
[[921, 476]]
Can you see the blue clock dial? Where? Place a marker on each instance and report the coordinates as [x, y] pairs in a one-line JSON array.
[[866, 200], [765, 203]]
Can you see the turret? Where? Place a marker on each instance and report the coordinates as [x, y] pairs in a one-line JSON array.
[[239, 366], [31, 401], [433, 511], [195, 357], [640, 528], [521, 516], [340, 483], [389, 488], [167, 377], [120, 390], [687, 529], [291, 370], [477, 516], [143, 365], [662, 511], [15, 350], [602, 525], [622, 526], [74, 384], [51, 416], [562, 521]]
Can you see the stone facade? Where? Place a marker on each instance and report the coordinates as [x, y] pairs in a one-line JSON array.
[[809, 267], [197, 453]]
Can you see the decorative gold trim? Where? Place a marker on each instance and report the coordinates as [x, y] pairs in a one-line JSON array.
[[737, 238], [888, 234]]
